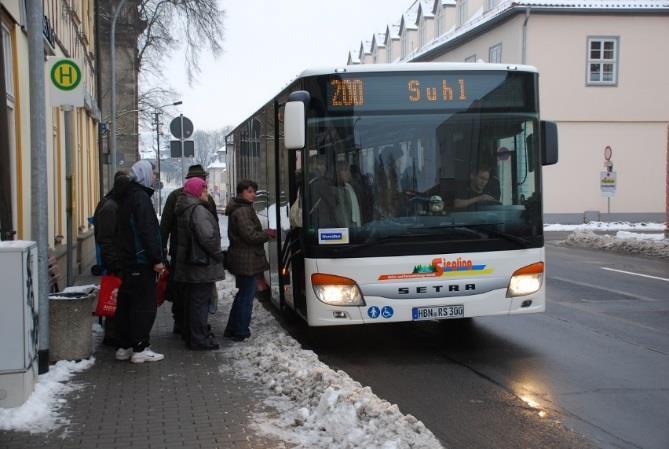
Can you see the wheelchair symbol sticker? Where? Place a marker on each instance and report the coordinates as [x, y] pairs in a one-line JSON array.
[[387, 312], [373, 312]]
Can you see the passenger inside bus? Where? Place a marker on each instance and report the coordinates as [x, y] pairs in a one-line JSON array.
[[321, 199], [346, 199]]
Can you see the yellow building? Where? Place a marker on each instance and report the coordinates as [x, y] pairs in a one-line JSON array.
[[68, 32]]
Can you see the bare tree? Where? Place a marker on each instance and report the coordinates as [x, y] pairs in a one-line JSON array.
[[195, 24]]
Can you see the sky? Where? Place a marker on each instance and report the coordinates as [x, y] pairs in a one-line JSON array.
[[267, 43]]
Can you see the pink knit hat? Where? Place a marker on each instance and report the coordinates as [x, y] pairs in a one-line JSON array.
[[194, 186]]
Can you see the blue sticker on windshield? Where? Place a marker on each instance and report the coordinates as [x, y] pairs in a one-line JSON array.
[[373, 312], [387, 312]]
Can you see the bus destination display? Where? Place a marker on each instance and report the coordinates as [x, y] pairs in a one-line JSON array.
[[426, 91]]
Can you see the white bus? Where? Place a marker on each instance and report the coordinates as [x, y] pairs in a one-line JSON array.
[[415, 189]]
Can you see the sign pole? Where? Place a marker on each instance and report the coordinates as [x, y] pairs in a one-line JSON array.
[[39, 228], [69, 138], [160, 202], [181, 139]]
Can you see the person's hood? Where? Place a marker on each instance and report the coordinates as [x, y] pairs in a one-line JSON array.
[[235, 204], [121, 184], [142, 173], [185, 202]]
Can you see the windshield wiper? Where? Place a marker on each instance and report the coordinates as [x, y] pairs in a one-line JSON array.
[[485, 227]]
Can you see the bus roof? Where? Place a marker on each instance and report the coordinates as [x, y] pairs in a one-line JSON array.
[[415, 67]]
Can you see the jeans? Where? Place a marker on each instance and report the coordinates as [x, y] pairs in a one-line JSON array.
[[242, 307]]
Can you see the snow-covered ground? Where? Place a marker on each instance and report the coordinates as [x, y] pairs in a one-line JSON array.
[[41, 412], [606, 226], [653, 245], [315, 406]]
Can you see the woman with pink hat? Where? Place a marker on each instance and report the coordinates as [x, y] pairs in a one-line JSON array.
[[199, 261]]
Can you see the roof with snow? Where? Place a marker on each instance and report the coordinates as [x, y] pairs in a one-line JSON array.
[[378, 41], [424, 10], [365, 49], [392, 32], [353, 57], [408, 21], [216, 164], [507, 7]]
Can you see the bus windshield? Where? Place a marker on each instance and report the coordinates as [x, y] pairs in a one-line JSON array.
[[462, 175]]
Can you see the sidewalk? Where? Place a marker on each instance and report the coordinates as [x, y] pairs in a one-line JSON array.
[[184, 401]]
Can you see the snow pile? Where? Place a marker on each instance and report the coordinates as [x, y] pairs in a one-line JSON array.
[[635, 235], [646, 247], [41, 412], [606, 226], [317, 406]]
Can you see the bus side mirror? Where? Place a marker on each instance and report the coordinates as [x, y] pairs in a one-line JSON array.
[[549, 143], [294, 120]]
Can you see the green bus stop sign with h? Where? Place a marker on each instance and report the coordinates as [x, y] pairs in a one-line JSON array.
[[65, 74], [67, 88]]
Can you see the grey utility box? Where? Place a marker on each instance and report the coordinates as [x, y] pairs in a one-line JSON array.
[[18, 322]]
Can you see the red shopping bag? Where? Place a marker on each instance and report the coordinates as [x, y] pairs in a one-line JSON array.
[[109, 285], [161, 286]]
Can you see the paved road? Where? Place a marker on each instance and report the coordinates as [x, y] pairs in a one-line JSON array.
[[592, 370]]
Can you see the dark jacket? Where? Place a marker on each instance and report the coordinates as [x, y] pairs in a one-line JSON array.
[[246, 254], [138, 234], [195, 220], [105, 222], [168, 220]]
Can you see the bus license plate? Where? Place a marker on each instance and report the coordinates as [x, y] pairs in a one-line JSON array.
[[438, 313]]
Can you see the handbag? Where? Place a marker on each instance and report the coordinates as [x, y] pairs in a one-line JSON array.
[[109, 285], [195, 254]]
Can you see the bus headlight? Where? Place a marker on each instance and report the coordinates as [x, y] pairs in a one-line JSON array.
[[336, 290], [526, 280]]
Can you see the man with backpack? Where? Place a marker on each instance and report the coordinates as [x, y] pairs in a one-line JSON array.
[[105, 221]]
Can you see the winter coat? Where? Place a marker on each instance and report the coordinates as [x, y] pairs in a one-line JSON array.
[[105, 222], [168, 221], [138, 234], [196, 222], [246, 254]]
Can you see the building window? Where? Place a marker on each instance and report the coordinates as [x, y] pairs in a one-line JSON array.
[[405, 46], [490, 4], [389, 52], [471, 58], [7, 53], [495, 54], [422, 34], [437, 19], [461, 10], [602, 61]]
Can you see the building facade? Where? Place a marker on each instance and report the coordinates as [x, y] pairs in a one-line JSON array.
[[218, 179], [600, 80], [69, 31], [128, 29]]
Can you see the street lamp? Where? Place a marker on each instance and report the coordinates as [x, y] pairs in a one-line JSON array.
[[157, 115]]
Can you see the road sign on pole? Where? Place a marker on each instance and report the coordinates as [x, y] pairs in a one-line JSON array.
[[179, 130], [65, 82]]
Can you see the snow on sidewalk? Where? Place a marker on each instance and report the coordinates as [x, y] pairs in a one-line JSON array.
[[41, 412], [606, 226], [317, 406], [653, 245]]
